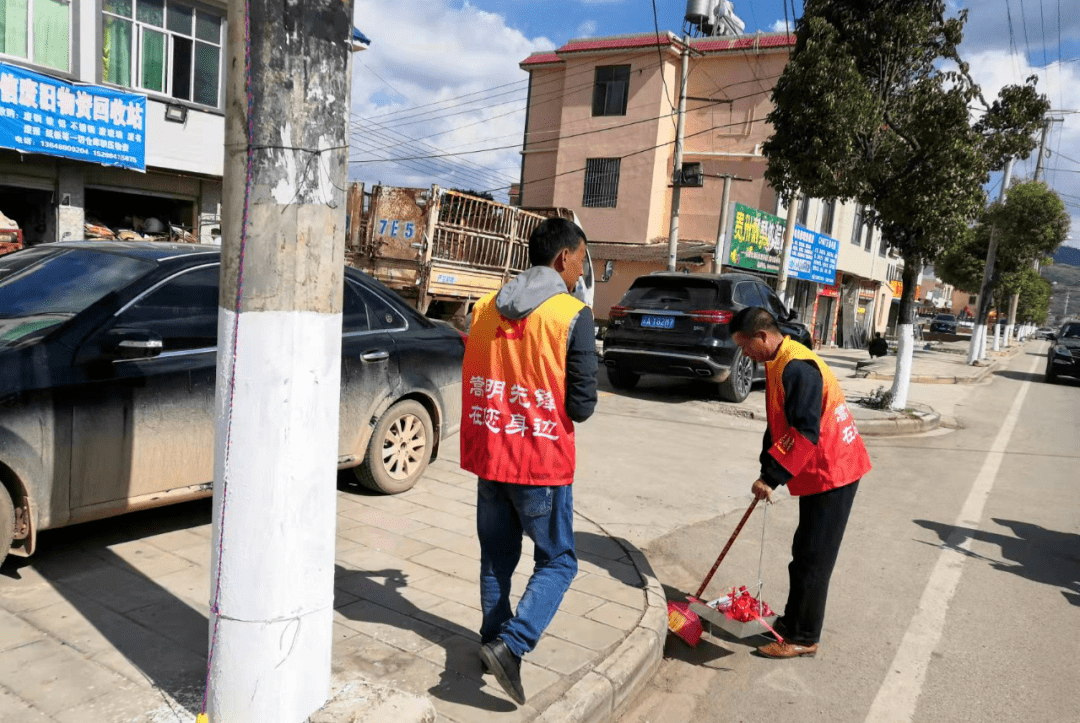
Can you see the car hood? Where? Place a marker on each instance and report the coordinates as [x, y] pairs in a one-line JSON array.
[[1072, 343]]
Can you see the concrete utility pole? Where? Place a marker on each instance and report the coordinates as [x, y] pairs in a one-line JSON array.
[[978, 331], [725, 220], [676, 175], [279, 379], [1014, 302], [785, 254]]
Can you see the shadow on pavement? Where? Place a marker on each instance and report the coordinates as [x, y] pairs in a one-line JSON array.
[[669, 390], [382, 603], [163, 637], [1034, 553]]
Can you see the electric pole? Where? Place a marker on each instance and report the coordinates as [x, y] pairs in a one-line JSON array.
[[279, 360], [1014, 302], [725, 220], [676, 175], [978, 331]]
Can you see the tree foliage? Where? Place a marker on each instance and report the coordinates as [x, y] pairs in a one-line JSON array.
[[875, 106], [1030, 224]]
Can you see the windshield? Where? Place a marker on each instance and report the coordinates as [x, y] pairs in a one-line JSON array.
[[1070, 331], [41, 288]]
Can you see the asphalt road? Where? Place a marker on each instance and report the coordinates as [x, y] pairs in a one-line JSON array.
[[957, 593]]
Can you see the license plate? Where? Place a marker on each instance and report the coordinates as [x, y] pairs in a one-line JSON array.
[[658, 322]]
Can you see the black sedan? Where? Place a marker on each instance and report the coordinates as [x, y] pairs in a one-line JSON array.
[[1063, 359], [107, 374], [676, 325]]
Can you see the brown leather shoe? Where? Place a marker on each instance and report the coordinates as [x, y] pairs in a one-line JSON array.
[[788, 649]]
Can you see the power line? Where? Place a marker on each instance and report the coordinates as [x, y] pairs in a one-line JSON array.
[[659, 54]]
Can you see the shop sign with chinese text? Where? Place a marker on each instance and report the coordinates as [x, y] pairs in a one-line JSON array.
[[813, 256], [757, 241], [42, 114]]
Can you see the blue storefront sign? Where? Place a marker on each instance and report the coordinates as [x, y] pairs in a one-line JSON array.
[[42, 114], [813, 256]]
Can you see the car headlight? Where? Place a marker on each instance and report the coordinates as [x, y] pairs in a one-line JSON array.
[[1062, 351]]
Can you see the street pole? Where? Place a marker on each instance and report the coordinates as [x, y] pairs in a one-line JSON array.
[[721, 238], [279, 360], [978, 331], [1014, 302], [789, 237], [676, 175]]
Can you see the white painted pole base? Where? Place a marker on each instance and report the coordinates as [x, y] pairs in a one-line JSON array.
[[1009, 334], [997, 337], [904, 354], [975, 345], [982, 343], [271, 660]]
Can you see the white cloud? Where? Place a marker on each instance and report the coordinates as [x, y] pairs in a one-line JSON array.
[[587, 29], [443, 54], [780, 26], [993, 69]]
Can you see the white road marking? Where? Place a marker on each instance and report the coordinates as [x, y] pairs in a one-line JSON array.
[[896, 699]]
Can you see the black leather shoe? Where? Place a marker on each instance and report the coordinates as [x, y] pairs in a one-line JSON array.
[[505, 666]]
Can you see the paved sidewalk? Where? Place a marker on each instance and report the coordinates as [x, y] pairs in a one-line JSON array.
[[109, 623]]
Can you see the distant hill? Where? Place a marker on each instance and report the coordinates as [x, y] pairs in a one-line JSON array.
[[1068, 255]]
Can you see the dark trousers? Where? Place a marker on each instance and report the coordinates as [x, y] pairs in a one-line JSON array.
[[822, 520]]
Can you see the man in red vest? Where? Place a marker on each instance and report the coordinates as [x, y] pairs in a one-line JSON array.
[[812, 446], [529, 374]]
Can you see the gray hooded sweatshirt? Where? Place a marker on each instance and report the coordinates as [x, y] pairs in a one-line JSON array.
[[522, 296]]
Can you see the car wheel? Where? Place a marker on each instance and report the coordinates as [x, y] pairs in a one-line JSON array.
[[399, 450], [622, 379], [736, 387], [7, 523]]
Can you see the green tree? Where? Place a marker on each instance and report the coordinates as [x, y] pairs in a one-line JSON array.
[[1031, 223], [875, 106]]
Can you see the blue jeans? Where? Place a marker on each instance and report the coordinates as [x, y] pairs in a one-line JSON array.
[[546, 514]]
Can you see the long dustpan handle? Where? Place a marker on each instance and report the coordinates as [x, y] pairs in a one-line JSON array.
[[727, 547]]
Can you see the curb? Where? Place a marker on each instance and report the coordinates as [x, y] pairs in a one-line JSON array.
[[923, 421], [605, 690], [935, 379]]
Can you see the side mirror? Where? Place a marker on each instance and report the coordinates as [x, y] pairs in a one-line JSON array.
[[1052, 337]]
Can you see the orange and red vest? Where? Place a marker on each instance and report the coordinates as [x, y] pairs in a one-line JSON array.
[[514, 425], [839, 457]]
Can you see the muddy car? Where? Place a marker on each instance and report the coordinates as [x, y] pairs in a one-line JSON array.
[[108, 355]]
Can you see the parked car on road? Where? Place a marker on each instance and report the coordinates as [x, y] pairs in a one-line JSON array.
[[943, 324], [676, 325], [1043, 332], [1063, 358], [107, 373]]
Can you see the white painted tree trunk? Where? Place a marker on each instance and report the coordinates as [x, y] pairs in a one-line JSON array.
[[904, 354], [1008, 335], [976, 344], [997, 337], [982, 344], [274, 623]]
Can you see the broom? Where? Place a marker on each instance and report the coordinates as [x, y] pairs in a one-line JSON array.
[[683, 621]]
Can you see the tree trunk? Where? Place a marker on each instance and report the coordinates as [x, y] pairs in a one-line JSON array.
[[905, 332]]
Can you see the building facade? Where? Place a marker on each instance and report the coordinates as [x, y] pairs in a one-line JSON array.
[[173, 54], [599, 138]]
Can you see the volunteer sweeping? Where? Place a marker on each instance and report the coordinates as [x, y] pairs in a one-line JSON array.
[[813, 447]]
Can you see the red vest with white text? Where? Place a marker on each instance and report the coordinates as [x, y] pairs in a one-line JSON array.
[[839, 458], [514, 425]]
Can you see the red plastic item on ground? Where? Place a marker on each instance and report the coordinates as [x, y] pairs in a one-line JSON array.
[[684, 622]]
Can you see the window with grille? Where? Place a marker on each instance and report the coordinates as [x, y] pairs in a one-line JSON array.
[[611, 90], [38, 31], [163, 47], [601, 182]]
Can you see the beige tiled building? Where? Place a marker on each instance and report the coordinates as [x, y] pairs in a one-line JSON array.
[[600, 136]]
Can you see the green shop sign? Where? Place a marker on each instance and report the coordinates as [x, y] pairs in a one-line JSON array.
[[757, 240]]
